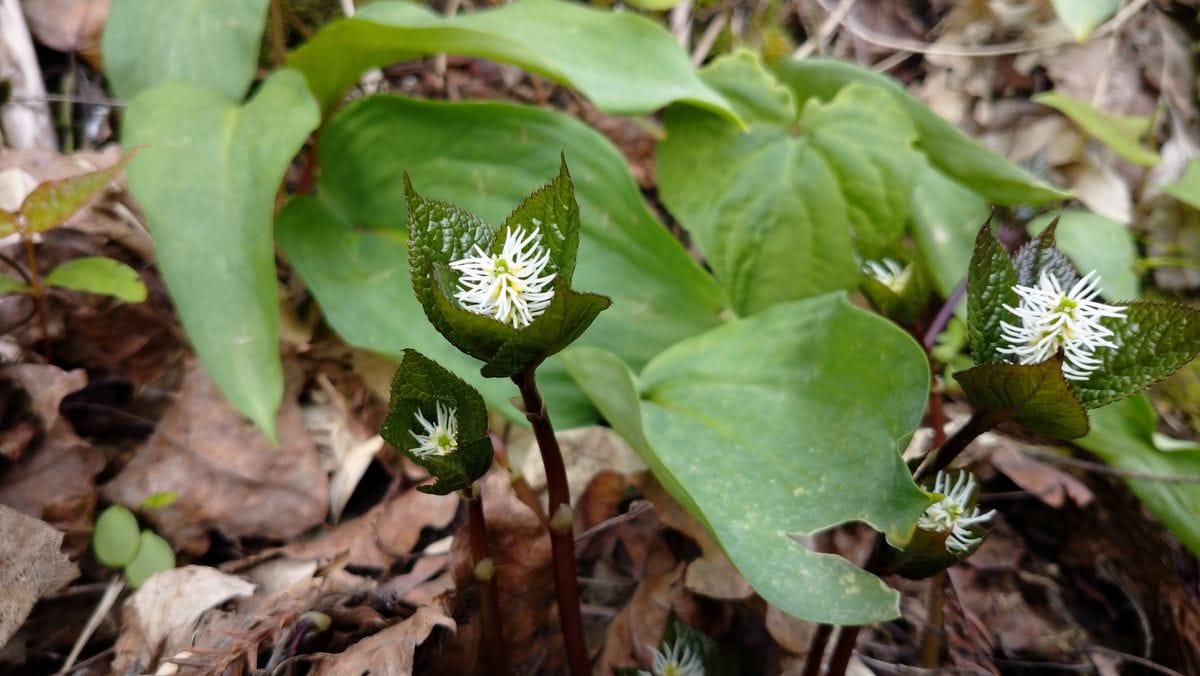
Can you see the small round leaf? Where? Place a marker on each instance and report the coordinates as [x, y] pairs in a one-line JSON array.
[[115, 539], [154, 555]]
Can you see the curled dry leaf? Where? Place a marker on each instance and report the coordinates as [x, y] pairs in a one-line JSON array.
[[31, 565], [1046, 482], [169, 603], [346, 449], [227, 476], [391, 650]]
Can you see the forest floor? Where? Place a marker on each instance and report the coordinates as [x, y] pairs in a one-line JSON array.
[[110, 404]]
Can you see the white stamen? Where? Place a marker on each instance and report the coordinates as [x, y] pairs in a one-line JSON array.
[[440, 438], [508, 287], [889, 273], [950, 514], [675, 660]]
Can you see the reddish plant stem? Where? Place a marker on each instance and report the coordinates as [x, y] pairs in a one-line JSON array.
[[980, 422], [931, 639], [493, 655], [843, 649], [38, 292], [562, 538], [816, 650]]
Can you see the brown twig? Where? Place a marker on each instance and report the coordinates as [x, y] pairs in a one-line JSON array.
[[493, 656], [562, 541]]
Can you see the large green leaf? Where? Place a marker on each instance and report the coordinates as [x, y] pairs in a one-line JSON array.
[[1097, 243], [777, 209], [1123, 436], [349, 244], [1187, 188], [98, 274], [212, 43], [778, 425], [955, 155], [207, 182], [1035, 395], [946, 218], [1122, 133], [564, 41]]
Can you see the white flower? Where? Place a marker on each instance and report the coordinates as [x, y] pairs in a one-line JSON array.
[[676, 660], [1052, 320], [950, 513], [440, 438], [508, 287], [889, 273]]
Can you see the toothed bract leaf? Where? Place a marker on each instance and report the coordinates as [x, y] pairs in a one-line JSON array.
[[1153, 341], [424, 394], [1038, 255], [989, 288], [499, 321], [1035, 395]]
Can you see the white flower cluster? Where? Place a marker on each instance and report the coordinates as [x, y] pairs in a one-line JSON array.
[[889, 273], [508, 287], [441, 437], [675, 660], [1053, 320], [950, 514]]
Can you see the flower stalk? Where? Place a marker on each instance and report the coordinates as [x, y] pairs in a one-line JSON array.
[[493, 655], [562, 537]]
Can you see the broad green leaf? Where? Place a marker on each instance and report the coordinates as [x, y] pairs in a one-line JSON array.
[[1035, 395], [53, 202], [207, 182], [552, 211], [349, 245], [212, 43], [777, 209], [1122, 436], [947, 217], [779, 425], [989, 289], [1081, 17], [420, 385], [116, 537], [101, 275], [563, 41], [1154, 340], [10, 285], [1097, 243], [1187, 188], [1122, 133], [154, 555], [755, 95], [947, 148]]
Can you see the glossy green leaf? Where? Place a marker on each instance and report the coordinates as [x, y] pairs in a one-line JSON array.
[[564, 41], [989, 289], [53, 202], [350, 249], [1122, 133], [100, 275], [759, 428], [1187, 188], [116, 537], [11, 285], [1097, 243], [420, 385], [1123, 436], [1081, 17], [1154, 340], [946, 217], [154, 555], [777, 209], [211, 43], [207, 182], [1036, 395], [947, 148]]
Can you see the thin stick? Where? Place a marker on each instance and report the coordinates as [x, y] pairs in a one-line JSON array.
[[278, 41], [1101, 468], [111, 592], [842, 651], [493, 656], [562, 541], [38, 292]]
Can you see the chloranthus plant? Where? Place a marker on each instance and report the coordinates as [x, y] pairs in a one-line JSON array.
[[1048, 347], [503, 295]]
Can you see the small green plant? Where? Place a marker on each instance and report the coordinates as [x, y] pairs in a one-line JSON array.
[[120, 544]]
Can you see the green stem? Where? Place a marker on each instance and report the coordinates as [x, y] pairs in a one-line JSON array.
[[562, 536], [38, 292], [493, 656]]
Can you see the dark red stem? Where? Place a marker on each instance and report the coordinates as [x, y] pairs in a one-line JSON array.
[[493, 655]]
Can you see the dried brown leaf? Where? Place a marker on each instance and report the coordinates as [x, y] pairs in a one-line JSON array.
[[31, 565]]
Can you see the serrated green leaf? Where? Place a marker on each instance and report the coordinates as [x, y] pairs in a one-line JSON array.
[[681, 639], [1154, 340], [552, 211], [1035, 395], [946, 216], [11, 285], [154, 555], [1081, 17], [561, 325], [211, 43], [1187, 188], [989, 288], [419, 385], [207, 182], [776, 210], [1122, 133], [1097, 243], [53, 202], [944, 145], [564, 41], [755, 427], [1122, 436], [116, 537], [100, 275], [1040, 255]]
